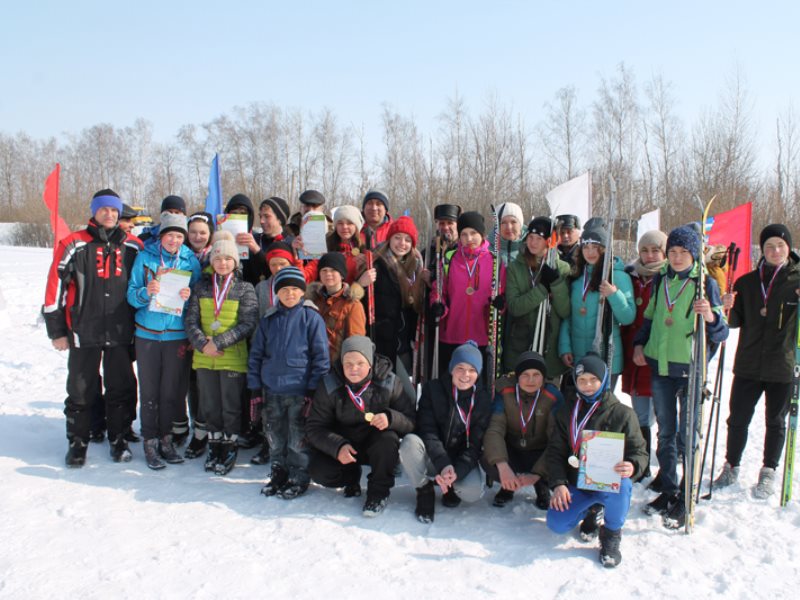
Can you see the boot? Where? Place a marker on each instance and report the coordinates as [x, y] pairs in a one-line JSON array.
[[610, 555], [766, 484], [130, 435], [76, 453], [728, 476], [426, 502], [374, 505], [591, 523], [451, 499], [542, 495], [647, 441], [655, 485], [661, 505], [151, 454], [167, 450], [262, 456], [214, 449], [97, 437], [120, 451], [352, 490], [227, 457], [197, 446], [292, 490], [676, 516], [277, 481], [502, 498], [180, 431]]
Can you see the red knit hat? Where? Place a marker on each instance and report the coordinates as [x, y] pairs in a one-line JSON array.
[[403, 225], [280, 250]]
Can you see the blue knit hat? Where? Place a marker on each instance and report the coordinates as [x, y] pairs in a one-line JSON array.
[[289, 276], [104, 198], [687, 237], [467, 353]]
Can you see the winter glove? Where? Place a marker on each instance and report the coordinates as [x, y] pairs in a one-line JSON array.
[[255, 404], [438, 309], [499, 302], [548, 275]]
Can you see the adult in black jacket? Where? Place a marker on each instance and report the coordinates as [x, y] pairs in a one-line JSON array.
[[357, 417], [453, 414], [764, 307]]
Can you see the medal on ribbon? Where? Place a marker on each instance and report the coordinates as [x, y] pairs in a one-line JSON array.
[[358, 400], [766, 292], [522, 420], [219, 298], [575, 429], [670, 302], [465, 419]]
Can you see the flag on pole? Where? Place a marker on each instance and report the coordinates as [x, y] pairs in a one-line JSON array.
[[733, 226], [50, 197], [214, 198], [649, 221], [573, 197]]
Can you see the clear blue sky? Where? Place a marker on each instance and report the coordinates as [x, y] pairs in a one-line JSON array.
[[69, 65]]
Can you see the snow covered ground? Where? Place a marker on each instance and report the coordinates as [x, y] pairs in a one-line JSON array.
[[124, 531]]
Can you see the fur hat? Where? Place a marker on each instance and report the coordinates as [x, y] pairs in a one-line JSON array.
[[448, 212], [473, 220], [104, 198], [223, 244], [172, 222], [467, 353], [530, 360], [510, 209], [348, 213], [687, 237], [361, 344], [775, 230], [403, 225]]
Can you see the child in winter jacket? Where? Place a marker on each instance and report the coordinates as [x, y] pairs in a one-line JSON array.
[[288, 358], [221, 315]]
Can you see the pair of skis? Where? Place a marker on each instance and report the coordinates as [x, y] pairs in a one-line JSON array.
[[791, 434], [495, 350]]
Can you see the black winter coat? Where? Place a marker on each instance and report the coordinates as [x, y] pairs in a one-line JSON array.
[[395, 322]]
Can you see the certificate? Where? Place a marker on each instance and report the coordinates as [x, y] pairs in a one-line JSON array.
[[235, 224], [168, 300], [600, 451], [314, 229]]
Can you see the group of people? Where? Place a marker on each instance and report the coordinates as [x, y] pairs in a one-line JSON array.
[[516, 334]]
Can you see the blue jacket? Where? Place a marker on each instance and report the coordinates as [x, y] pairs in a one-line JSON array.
[[289, 354], [152, 325]]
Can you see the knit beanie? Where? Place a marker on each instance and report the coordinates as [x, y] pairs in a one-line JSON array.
[[312, 198], [335, 261], [223, 244], [467, 353], [530, 360], [375, 195], [541, 226], [173, 203], [348, 213], [775, 230], [172, 222], [592, 363], [290, 276], [279, 250], [653, 238], [361, 344], [687, 237], [510, 209], [473, 220], [596, 234], [104, 198], [279, 206], [403, 225], [205, 218], [448, 212]]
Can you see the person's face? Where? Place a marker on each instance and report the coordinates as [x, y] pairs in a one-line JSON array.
[[651, 254], [374, 212], [106, 217], [199, 234], [448, 230], [510, 228], [588, 384], [776, 251], [530, 380], [172, 241], [269, 222], [126, 225], [355, 367], [331, 279], [464, 376], [277, 263], [223, 265], [345, 229], [679, 258], [591, 253], [536, 244], [569, 236], [174, 211], [470, 238], [400, 244], [290, 295]]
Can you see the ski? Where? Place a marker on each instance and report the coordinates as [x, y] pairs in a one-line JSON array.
[[495, 346], [791, 434], [603, 343]]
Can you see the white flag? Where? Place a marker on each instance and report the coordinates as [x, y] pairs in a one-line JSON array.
[[648, 222], [573, 198]]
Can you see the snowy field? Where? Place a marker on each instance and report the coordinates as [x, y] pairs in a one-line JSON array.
[[118, 531]]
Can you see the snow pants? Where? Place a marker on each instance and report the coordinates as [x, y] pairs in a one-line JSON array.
[[163, 381], [220, 404], [419, 469]]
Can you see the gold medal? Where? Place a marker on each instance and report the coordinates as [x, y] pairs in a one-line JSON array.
[[582, 310], [668, 321], [355, 252], [763, 311], [574, 462], [469, 291], [638, 302], [368, 417]]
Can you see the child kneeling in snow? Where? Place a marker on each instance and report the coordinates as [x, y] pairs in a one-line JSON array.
[[594, 408]]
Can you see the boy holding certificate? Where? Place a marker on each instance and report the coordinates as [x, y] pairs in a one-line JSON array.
[[594, 409]]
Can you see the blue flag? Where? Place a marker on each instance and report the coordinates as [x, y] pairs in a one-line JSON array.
[[214, 198]]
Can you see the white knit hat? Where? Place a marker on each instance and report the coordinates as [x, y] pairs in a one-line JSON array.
[[223, 244]]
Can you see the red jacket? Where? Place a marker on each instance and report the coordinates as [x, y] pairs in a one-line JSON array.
[[636, 379]]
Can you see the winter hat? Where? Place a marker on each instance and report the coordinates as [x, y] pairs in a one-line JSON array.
[[449, 212], [568, 222], [687, 237], [653, 238], [348, 213], [223, 244], [279, 206], [467, 353], [596, 234], [530, 360], [509, 209], [403, 225], [375, 195], [240, 200], [173, 203], [592, 363], [474, 220], [172, 222], [334, 260], [361, 344], [290, 276], [104, 198], [127, 212], [204, 217], [595, 222], [541, 226], [312, 198], [775, 230], [279, 250]]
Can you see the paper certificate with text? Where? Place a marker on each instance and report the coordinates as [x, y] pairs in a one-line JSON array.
[[314, 230], [600, 451], [235, 224], [168, 300]]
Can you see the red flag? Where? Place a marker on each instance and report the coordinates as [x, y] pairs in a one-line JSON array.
[[50, 197], [734, 226]]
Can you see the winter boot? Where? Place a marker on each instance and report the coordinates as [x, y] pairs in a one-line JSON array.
[[656, 485], [97, 437], [426, 501], [675, 518], [227, 456], [214, 450], [197, 446], [262, 456], [130, 435], [277, 481], [542, 495], [374, 505], [766, 484], [76, 453], [610, 555], [292, 490], [167, 450], [647, 441], [151, 454], [502, 498], [728, 476], [352, 490], [661, 505], [180, 431], [451, 499], [591, 523], [119, 450]]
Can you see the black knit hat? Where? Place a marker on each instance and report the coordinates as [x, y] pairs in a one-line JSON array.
[[240, 200], [279, 206], [312, 198], [375, 195], [777, 230], [173, 203], [568, 222], [334, 260], [530, 360], [597, 234], [473, 220], [685, 236], [449, 212], [541, 226]]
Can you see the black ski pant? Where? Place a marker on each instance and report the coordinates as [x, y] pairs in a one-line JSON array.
[[745, 394], [83, 368], [163, 380], [220, 400], [519, 461]]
